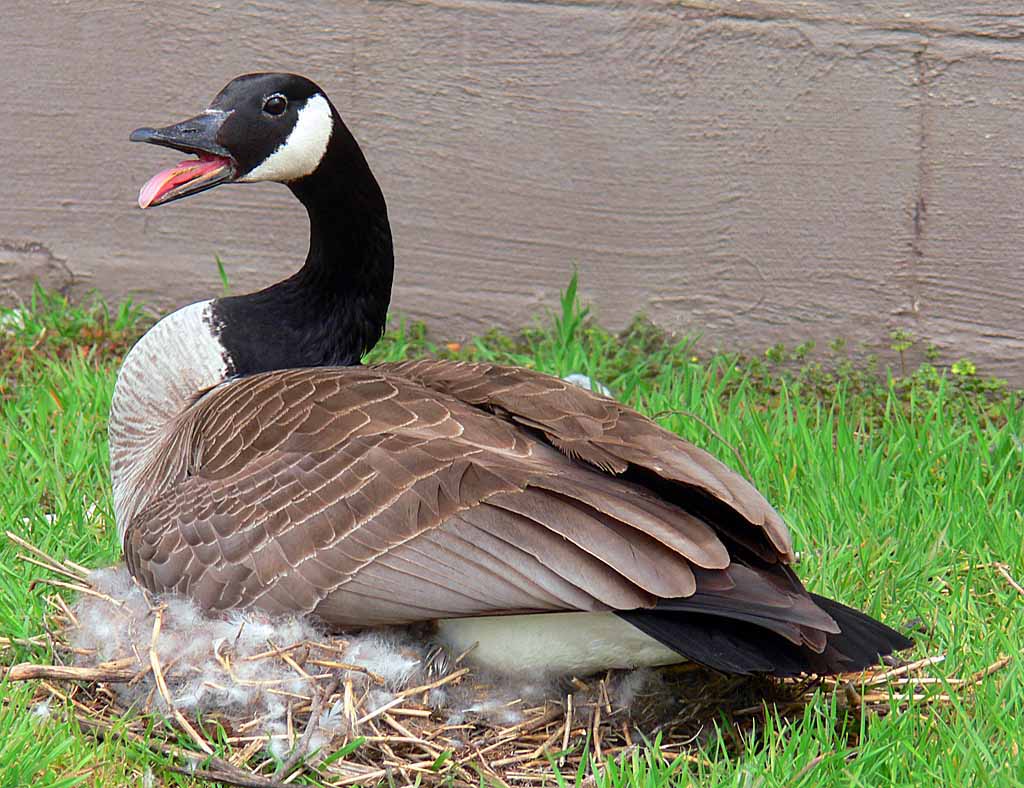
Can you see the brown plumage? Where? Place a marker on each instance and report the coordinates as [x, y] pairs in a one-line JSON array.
[[429, 490], [432, 489], [333, 486]]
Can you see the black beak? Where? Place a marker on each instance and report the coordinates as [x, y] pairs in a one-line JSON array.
[[195, 135], [198, 136]]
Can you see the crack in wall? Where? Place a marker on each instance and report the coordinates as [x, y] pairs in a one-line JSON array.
[[22, 263], [920, 207]]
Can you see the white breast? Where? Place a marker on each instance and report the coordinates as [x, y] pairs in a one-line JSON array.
[[175, 360], [578, 643]]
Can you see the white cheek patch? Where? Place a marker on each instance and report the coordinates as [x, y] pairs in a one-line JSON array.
[[301, 153]]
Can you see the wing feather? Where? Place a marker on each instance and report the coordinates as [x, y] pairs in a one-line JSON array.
[[600, 431]]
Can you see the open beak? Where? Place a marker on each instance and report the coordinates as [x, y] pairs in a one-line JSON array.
[[197, 135]]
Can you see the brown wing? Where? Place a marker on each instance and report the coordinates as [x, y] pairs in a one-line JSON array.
[[617, 439], [375, 496]]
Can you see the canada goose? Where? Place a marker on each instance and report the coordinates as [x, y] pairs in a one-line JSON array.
[[255, 462]]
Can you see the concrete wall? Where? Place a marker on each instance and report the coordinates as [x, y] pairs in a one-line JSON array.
[[756, 171]]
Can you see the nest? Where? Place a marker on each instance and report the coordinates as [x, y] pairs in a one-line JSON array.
[[244, 700]]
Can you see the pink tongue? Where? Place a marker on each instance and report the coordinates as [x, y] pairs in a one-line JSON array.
[[175, 176]]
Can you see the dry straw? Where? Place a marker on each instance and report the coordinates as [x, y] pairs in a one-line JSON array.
[[439, 722]]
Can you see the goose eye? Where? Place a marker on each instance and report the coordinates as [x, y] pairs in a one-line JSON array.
[[275, 105]]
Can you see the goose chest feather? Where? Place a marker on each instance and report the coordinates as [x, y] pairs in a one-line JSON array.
[[256, 462]]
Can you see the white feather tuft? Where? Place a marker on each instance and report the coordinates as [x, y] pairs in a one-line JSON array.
[[631, 687], [195, 646], [389, 657], [41, 710], [588, 383], [332, 720]]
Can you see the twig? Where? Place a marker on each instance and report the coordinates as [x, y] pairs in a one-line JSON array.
[[486, 766], [119, 672], [52, 563], [349, 705], [567, 729], [165, 693], [59, 602], [378, 711], [433, 685], [35, 640], [290, 662], [367, 777], [533, 755], [50, 567], [605, 699], [402, 711], [999, 664], [430, 749], [328, 663], [301, 748], [881, 678], [273, 652], [77, 588], [82, 570], [854, 700], [1004, 570]]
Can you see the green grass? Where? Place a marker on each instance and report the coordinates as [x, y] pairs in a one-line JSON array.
[[902, 493]]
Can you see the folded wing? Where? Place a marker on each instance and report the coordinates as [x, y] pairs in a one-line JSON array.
[[426, 490]]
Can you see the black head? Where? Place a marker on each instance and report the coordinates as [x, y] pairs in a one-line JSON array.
[[260, 127]]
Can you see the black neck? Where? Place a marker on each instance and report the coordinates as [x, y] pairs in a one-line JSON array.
[[333, 310]]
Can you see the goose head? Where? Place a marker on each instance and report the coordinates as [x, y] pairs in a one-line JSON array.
[[260, 127], [282, 128]]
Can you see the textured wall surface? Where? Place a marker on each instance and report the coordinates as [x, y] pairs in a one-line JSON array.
[[755, 171]]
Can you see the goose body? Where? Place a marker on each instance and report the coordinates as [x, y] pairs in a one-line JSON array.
[[256, 462]]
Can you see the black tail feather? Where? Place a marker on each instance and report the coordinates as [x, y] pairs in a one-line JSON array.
[[734, 646], [862, 640]]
